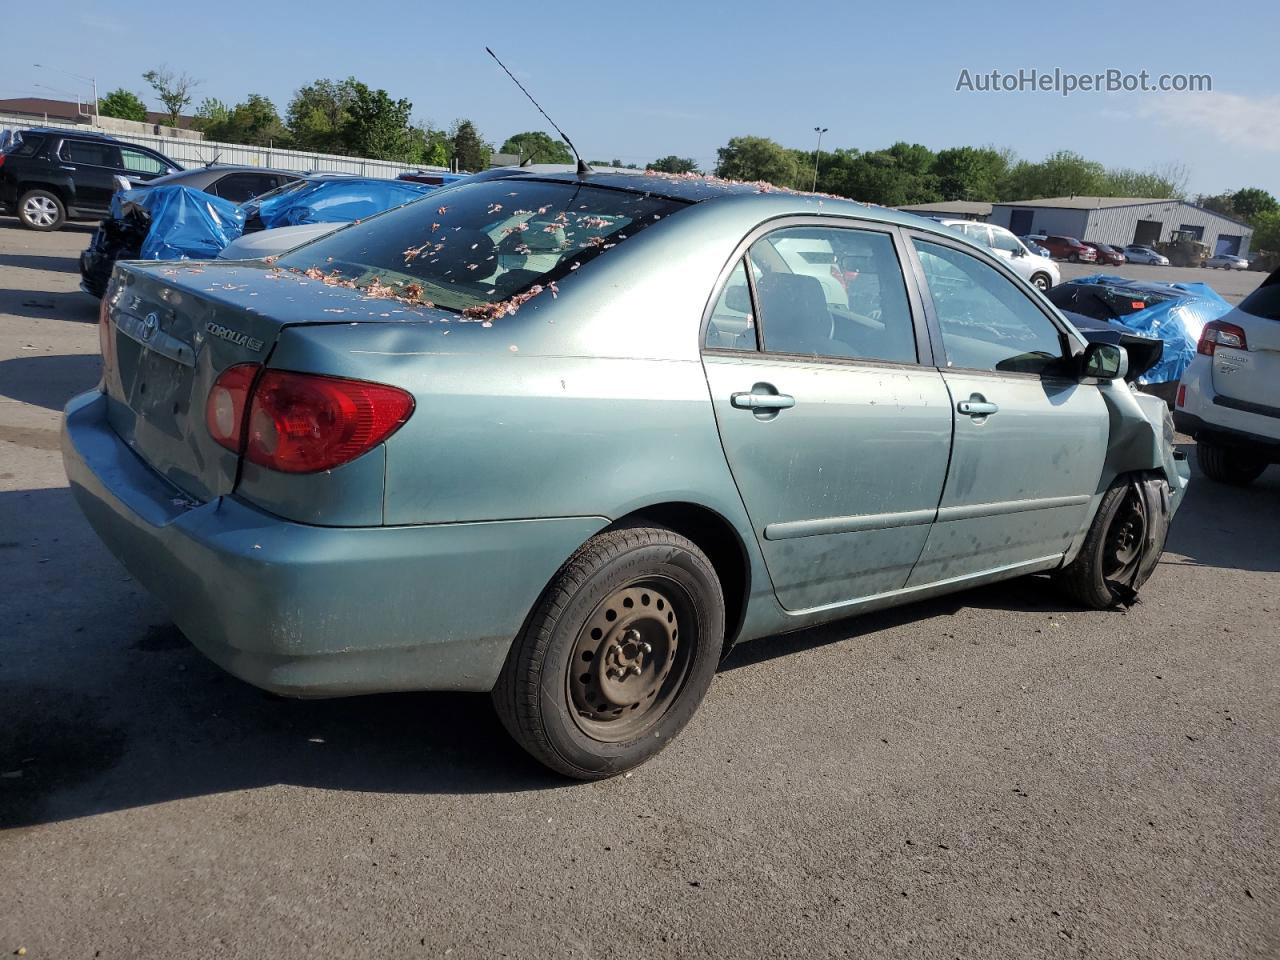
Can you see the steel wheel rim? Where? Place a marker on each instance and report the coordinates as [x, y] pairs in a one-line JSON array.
[[40, 211], [631, 659], [1126, 538]]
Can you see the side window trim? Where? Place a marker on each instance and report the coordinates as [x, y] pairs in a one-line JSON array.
[[926, 350], [931, 310]]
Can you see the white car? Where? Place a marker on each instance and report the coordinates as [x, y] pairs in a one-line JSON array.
[[1041, 272], [1136, 253], [1227, 261], [1229, 396]]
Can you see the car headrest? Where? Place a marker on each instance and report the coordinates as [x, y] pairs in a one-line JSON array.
[[794, 311]]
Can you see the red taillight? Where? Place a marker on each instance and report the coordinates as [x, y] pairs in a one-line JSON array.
[[302, 422], [1219, 334], [228, 400]]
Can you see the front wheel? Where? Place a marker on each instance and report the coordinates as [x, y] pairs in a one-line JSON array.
[[1228, 465], [1123, 545], [617, 655]]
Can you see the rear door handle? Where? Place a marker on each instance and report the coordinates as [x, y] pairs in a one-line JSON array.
[[977, 406], [762, 401]]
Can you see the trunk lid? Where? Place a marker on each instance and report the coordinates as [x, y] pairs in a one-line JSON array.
[[174, 327], [1249, 375]]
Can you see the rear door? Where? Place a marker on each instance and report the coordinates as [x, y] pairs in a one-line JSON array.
[[835, 423], [1029, 442], [93, 166]]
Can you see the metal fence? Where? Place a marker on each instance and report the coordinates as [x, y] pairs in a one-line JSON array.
[[196, 152]]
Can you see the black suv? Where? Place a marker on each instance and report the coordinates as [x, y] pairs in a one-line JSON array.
[[52, 176]]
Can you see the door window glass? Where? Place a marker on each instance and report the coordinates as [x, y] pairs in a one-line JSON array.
[[733, 325], [987, 322], [830, 292], [90, 152], [978, 232], [1000, 240], [239, 187], [136, 161]]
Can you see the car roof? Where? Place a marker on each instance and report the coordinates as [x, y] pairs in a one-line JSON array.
[[704, 189], [61, 131]]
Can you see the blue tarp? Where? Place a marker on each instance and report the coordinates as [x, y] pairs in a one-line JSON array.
[[1178, 321], [340, 200], [185, 223]]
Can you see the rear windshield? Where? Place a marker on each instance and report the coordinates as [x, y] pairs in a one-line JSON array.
[[1265, 301], [1104, 303], [477, 245]]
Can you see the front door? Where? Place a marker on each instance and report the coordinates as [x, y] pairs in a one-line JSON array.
[[836, 434], [1029, 441]]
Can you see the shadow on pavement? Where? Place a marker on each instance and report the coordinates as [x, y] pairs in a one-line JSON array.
[[107, 706], [49, 381], [69, 305], [87, 226], [36, 261]]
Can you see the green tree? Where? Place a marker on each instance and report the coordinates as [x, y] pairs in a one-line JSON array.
[[1266, 231], [470, 151], [1218, 203], [254, 121], [674, 164], [1061, 174], [537, 147], [123, 104], [970, 173], [1251, 202], [1124, 182], [758, 158], [378, 126], [431, 146], [172, 89], [317, 115]]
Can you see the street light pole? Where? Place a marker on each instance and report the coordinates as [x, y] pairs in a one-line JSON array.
[[91, 80], [817, 153]]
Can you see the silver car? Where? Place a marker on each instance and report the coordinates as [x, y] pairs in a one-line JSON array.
[[1041, 272], [1227, 261], [1136, 253]]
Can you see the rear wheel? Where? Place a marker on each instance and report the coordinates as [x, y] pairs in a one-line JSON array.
[[1114, 561], [41, 210], [1041, 282], [1229, 465], [617, 655]]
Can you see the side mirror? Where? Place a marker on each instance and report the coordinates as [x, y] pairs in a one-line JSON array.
[[1104, 361]]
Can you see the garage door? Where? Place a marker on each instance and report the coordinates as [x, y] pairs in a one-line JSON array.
[[1147, 233], [1229, 244]]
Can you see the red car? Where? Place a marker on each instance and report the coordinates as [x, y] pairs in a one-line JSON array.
[[1069, 248], [1107, 253]]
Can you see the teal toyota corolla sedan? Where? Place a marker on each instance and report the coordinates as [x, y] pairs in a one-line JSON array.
[[567, 438]]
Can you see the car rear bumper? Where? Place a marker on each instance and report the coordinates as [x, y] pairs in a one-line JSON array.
[[317, 611], [1203, 412]]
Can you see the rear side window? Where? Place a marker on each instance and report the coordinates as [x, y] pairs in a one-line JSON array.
[[829, 292], [1265, 301], [28, 146], [475, 247], [90, 152], [138, 161], [733, 325], [1000, 240], [987, 322]]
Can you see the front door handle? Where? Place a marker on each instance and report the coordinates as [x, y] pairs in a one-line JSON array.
[[762, 401], [977, 406]]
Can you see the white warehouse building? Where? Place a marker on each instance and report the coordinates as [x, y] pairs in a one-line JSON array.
[[1123, 220]]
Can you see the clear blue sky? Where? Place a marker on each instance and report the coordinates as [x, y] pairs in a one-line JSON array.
[[637, 81]]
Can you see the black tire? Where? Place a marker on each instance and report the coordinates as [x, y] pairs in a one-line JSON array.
[[1089, 579], [41, 210], [538, 695], [1042, 282], [1227, 465]]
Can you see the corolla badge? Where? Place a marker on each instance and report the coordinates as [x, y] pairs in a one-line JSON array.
[[233, 336]]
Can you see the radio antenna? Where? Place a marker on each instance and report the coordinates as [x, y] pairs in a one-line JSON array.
[[583, 168]]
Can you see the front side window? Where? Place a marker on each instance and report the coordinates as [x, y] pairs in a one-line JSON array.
[[239, 187], [137, 161], [987, 322], [732, 325], [476, 245], [831, 292], [90, 152]]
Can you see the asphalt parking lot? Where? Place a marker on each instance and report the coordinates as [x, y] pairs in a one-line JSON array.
[[995, 774]]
